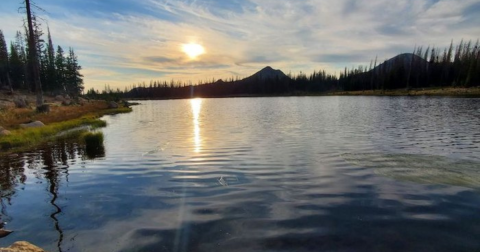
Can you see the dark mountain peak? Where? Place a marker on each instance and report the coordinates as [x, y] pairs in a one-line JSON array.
[[269, 73], [407, 57], [404, 59]]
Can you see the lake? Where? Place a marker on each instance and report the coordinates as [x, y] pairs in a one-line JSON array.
[[258, 174]]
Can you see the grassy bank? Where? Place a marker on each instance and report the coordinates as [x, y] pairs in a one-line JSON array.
[[12, 117], [437, 91], [59, 120]]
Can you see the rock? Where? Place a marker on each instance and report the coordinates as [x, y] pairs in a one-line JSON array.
[[67, 97], [22, 246], [36, 124], [112, 105], [4, 132], [59, 98], [20, 102], [67, 102], [82, 101]]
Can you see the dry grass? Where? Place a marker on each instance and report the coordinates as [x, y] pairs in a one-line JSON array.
[[33, 136], [60, 119], [10, 118]]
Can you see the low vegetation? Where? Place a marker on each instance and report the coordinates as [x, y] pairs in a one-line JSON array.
[[60, 120], [33, 136], [93, 144]]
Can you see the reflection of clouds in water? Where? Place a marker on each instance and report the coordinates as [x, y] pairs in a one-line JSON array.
[[288, 187], [266, 221], [425, 169]]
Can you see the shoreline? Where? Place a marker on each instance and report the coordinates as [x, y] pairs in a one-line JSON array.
[[472, 92], [61, 122]]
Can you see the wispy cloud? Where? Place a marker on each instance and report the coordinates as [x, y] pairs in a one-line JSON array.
[[137, 41]]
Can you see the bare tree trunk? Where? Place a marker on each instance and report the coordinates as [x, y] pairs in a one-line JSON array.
[[32, 47]]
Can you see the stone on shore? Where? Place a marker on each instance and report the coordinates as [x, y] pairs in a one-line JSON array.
[[59, 98], [82, 101], [65, 100], [22, 246], [36, 124], [4, 132], [20, 102], [112, 105]]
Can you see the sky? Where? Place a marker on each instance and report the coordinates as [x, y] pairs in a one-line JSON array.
[[124, 42]]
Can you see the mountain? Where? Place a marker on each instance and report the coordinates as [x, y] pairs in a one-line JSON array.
[[405, 60], [268, 73]]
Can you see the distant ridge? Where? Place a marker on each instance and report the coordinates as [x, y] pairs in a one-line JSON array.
[[404, 59], [457, 67], [268, 73]]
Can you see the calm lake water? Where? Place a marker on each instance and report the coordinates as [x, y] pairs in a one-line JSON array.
[[258, 174]]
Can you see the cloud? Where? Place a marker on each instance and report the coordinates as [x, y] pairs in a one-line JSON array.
[[241, 37]]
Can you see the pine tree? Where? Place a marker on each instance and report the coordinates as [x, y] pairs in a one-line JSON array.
[[73, 77], [4, 65], [50, 71], [17, 71], [43, 59], [60, 66], [22, 55]]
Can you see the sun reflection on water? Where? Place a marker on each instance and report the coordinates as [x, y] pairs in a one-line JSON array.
[[196, 107]]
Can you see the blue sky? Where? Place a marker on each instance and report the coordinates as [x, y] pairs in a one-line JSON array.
[[124, 42]]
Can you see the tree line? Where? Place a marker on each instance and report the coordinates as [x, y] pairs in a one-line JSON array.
[[58, 70], [455, 66]]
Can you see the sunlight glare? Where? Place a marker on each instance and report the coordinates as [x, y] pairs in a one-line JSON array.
[[196, 107], [193, 50]]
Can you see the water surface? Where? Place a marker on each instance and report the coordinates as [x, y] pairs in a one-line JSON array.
[[258, 174]]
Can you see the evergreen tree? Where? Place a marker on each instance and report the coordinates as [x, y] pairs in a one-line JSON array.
[[22, 55], [50, 71], [4, 66], [74, 81], [60, 66], [17, 71], [43, 59]]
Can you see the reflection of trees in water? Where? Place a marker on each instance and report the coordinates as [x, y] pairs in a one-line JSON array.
[[51, 161], [55, 163], [11, 174]]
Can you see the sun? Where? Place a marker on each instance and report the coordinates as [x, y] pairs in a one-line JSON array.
[[193, 50]]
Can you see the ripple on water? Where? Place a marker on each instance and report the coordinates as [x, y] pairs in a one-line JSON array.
[[259, 174], [426, 169]]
